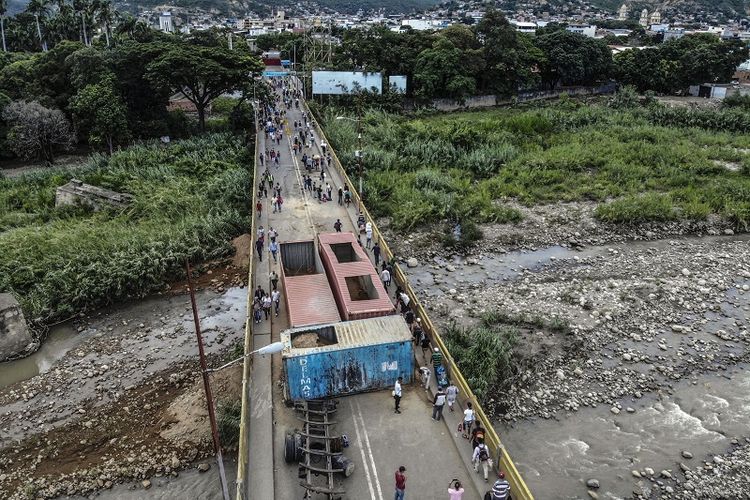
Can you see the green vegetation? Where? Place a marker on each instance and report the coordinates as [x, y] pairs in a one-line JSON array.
[[191, 199], [483, 353], [639, 163], [228, 422]]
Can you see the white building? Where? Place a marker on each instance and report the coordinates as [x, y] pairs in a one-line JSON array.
[[588, 30], [165, 22], [424, 24]]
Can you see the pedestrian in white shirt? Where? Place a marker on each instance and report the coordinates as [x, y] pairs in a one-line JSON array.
[[481, 456], [397, 394], [468, 420]]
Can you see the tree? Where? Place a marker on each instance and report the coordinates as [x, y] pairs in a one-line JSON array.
[[201, 74], [36, 130], [39, 8], [573, 59], [440, 72], [3, 11], [506, 56], [105, 16], [99, 111]]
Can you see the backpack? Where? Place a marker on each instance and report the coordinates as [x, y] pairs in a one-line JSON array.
[[483, 454]]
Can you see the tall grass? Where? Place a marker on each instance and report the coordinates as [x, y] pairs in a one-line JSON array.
[[191, 199], [483, 354], [655, 163]]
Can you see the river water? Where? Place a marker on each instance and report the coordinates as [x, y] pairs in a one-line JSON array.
[[61, 339], [556, 456]]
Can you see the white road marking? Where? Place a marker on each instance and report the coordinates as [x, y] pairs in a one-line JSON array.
[[362, 451], [369, 451]]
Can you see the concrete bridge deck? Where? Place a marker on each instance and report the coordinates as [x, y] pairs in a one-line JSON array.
[[432, 452]]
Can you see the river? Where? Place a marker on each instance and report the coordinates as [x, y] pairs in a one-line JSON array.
[[700, 413]]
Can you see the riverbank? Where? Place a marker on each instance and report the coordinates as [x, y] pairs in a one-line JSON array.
[[126, 402]]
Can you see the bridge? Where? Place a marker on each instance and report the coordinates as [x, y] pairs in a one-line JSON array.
[[432, 452]]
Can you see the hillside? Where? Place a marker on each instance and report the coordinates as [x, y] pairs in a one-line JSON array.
[[701, 9], [264, 7]]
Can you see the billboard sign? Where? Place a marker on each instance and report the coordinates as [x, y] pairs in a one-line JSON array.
[[397, 83], [345, 82]]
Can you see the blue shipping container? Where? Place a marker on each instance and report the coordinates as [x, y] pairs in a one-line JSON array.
[[353, 356]]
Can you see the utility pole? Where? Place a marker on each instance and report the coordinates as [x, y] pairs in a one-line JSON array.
[[207, 386]]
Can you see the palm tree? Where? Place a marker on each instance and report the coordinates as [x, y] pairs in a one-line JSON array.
[[104, 15], [82, 7], [39, 8], [3, 10]]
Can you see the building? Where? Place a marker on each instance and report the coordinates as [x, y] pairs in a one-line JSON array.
[[673, 34], [622, 13], [588, 30], [165, 22], [643, 21], [655, 18]]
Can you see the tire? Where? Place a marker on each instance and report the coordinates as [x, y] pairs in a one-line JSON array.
[[290, 449], [341, 462]]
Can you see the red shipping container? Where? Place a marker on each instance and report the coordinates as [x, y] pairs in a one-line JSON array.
[[354, 280]]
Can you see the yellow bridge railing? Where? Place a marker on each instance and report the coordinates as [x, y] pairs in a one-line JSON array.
[[243, 451]]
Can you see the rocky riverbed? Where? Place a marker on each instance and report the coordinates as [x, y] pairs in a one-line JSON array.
[[125, 402], [610, 324]]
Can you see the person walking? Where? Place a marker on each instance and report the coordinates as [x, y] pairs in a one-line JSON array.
[[256, 310], [438, 403], [455, 490], [276, 299], [451, 394], [273, 247], [341, 196], [437, 359], [481, 457], [267, 306], [501, 488], [274, 278], [400, 483], [376, 252], [425, 374], [397, 394], [368, 234], [272, 233], [259, 208], [468, 420], [477, 435], [337, 225], [386, 277], [259, 249]]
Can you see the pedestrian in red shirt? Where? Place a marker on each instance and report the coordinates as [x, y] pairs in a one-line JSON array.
[[400, 483]]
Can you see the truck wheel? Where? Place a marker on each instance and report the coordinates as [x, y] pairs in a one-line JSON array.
[[341, 462], [290, 449]]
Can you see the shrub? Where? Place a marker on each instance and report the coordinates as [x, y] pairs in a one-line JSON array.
[[229, 414], [648, 207], [483, 354]]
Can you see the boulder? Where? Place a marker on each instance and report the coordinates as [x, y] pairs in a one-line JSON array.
[[15, 337]]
